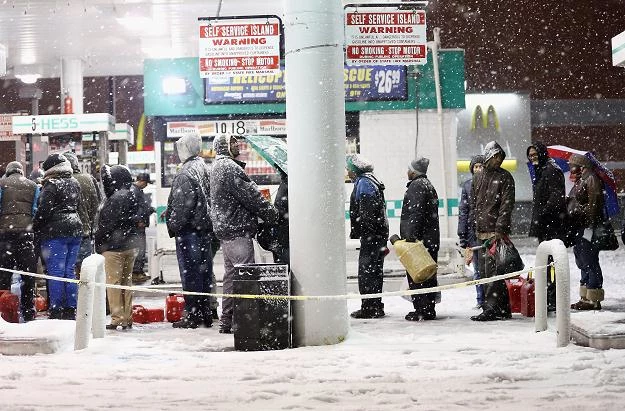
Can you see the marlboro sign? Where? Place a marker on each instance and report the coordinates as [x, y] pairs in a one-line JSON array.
[[238, 46], [378, 36]]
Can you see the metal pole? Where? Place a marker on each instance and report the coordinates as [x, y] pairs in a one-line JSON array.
[[439, 110], [315, 105]]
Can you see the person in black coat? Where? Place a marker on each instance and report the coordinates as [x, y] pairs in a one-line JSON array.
[[58, 229], [116, 238], [281, 203], [367, 213], [548, 206], [419, 222], [466, 227]]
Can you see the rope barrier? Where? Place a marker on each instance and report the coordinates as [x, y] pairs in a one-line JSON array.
[[350, 296]]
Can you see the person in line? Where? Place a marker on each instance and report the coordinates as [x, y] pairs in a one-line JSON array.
[[18, 204], [466, 227], [188, 220], [236, 206], [367, 214], [87, 208], [548, 206], [492, 202], [145, 211], [419, 222], [58, 228], [281, 203], [116, 239], [585, 207]]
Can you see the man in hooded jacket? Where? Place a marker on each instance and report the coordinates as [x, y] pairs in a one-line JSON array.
[[548, 206], [90, 198], [419, 222], [188, 220], [236, 205], [367, 214], [116, 238], [466, 227], [18, 204], [492, 202]]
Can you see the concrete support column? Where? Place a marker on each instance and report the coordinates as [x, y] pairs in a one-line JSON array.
[[315, 111], [72, 83]]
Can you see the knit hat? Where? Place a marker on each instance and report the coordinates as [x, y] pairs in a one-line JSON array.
[[358, 164], [475, 160], [221, 145], [419, 165], [54, 160], [579, 160], [73, 160], [14, 167]]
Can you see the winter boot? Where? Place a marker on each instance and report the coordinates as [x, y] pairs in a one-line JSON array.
[[55, 313], [69, 313]]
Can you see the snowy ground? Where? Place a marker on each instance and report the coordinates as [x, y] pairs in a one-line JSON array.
[[386, 364]]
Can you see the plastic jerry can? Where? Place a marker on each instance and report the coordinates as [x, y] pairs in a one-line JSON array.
[[527, 298], [10, 307], [415, 258], [174, 307], [139, 314], [155, 315], [514, 293]]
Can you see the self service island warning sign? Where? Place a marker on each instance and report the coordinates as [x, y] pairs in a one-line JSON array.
[[383, 36], [236, 46]]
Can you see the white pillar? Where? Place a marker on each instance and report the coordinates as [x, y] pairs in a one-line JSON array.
[[72, 83], [557, 249], [98, 324], [315, 109], [84, 306]]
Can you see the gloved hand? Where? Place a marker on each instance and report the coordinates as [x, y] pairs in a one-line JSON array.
[[468, 256]]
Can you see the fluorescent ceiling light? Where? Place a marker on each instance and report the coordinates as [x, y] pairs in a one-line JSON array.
[[142, 25], [174, 85], [28, 78]]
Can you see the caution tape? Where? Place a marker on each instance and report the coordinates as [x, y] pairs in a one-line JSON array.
[[350, 296]]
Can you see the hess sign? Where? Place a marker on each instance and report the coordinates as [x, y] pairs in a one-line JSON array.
[[379, 36], [239, 46]]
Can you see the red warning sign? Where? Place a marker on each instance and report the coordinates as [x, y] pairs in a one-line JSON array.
[[378, 36], [239, 47]]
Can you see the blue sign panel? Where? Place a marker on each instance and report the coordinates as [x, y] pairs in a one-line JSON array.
[[362, 83]]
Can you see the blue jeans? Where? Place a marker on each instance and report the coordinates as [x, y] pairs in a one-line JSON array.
[[479, 289], [587, 260], [195, 261], [60, 257]]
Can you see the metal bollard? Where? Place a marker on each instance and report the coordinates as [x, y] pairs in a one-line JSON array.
[[99, 303]]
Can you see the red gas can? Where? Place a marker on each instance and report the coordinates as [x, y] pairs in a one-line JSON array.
[[40, 303], [10, 307], [139, 314], [527, 298], [514, 293], [174, 307], [155, 315]]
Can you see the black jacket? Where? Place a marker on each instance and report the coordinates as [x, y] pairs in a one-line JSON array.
[[549, 204], [57, 214], [367, 208], [188, 206], [145, 209], [419, 214], [466, 227], [118, 218]]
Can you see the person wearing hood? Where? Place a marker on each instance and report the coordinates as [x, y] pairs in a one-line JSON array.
[[585, 205], [236, 205], [548, 205], [492, 202], [189, 222], [90, 198], [145, 211], [419, 222], [116, 239], [367, 215], [18, 204], [58, 229], [466, 227]]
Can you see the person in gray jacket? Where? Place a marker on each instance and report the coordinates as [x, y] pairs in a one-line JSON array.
[[236, 205], [189, 222]]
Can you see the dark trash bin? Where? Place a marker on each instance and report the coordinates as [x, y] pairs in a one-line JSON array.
[[262, 324]]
